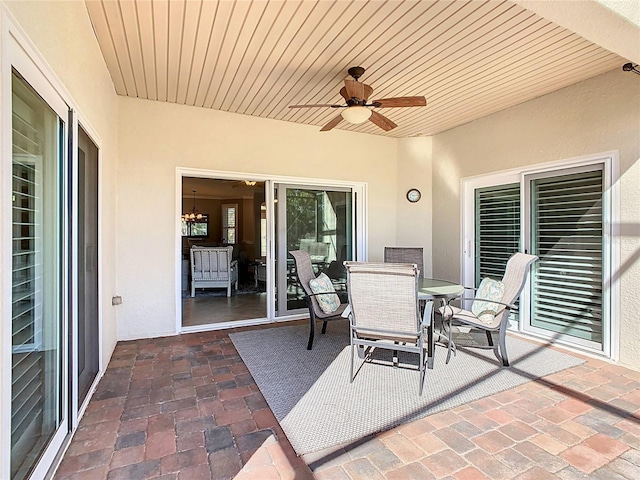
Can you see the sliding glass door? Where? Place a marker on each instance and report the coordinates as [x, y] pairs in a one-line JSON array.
[[565, 230], [560, 216], [38, 377], [319, 220], [87, 334]]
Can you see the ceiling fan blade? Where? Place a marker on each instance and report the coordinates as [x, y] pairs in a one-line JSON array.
[[331, 124], [367, 92], [354, 89], [400, 102], [381, 121], [313, 105]]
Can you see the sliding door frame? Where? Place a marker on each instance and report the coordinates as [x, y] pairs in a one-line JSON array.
[[18, 52], [281, 241], [611, 238], [77, 121], [359, 212]]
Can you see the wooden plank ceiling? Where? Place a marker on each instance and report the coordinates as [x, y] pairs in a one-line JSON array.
[[468, 58]]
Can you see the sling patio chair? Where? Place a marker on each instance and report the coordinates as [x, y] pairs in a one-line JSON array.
[[323, 302], [405, 255], [384, 313], [491, 306]]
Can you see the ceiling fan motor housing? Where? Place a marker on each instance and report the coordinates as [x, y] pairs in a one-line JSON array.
[[356, 72], [353, 101]]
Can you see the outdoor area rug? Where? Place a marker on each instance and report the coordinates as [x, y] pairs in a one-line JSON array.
[[310, 394]]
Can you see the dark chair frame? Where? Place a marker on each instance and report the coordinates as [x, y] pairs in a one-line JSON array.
[[305, 273]]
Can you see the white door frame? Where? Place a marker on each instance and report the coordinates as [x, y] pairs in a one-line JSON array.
[[360, 216], [611, 225]]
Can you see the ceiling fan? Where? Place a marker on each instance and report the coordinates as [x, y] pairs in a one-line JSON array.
[[243, 183], [357, 110]]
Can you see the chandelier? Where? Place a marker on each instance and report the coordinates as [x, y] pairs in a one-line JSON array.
[[193, 215]]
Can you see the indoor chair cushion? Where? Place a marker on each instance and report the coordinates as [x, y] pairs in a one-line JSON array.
[[489, 289], [322, 284]]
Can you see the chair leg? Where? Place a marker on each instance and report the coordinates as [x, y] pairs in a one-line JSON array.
[[312, 331], [324, 327], [422, 371], [351, 372], [489, 338], [451, 346], [503, 348]]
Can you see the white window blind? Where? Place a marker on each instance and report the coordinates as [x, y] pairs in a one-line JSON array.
[[566, 234], [497, 229], [36, 316], [229, 219]]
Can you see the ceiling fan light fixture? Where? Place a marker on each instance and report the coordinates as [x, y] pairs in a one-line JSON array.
[[356, 114]]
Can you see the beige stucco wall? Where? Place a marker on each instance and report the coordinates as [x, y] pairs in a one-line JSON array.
[[598, 115], [155, 138], [62, 34], [413, 227]]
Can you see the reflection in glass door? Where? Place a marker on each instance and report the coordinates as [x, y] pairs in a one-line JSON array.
[[88, 327], [320, 221], [37, 375]]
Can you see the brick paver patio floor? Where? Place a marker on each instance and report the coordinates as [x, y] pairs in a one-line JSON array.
[[185, 407]]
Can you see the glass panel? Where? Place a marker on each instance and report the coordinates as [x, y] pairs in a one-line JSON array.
[[320, 222], [36, 377], [567, 227], [497, 232], [88, 347]]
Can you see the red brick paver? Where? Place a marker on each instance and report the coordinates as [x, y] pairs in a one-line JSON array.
[[185, 407]]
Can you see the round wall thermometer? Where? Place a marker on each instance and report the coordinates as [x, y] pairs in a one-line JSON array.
[[413, 195]]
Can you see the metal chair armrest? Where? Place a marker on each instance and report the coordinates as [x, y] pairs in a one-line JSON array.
[[426, 314], [321, 293], [508, 305]]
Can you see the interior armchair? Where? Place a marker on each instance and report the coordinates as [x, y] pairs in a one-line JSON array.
[[323, 302], [213, 267], [492, 305]]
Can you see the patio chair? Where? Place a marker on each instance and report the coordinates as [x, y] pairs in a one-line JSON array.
[[405, 255], [327, 298], [492, 305], [384, 312]]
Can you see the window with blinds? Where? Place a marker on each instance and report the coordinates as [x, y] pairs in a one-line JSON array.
[[497, 229], [229, 214], [566, 234], [36, 320]]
